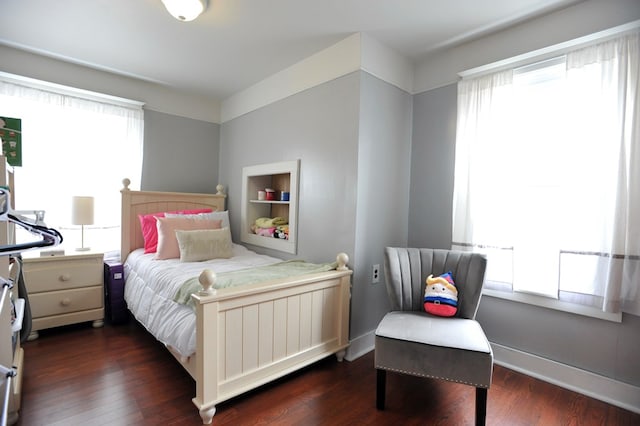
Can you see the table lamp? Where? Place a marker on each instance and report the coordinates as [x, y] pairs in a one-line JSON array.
[[82, 214]]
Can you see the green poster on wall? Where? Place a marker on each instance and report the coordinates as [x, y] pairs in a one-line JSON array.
[[11, 137]]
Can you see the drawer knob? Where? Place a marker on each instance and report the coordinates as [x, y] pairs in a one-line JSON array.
[[65, 277], [65, 302]]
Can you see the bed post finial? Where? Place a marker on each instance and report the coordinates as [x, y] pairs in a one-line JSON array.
[[125, 183], [207, 279], [220, 189], [342, 259]]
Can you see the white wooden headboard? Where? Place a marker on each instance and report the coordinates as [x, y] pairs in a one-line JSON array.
[[135, 203]]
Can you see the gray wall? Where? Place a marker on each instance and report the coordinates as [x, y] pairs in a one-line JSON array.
[[353, 137], [384, 152], [320, 127], [603, 347], [180, 154], [432, 155]]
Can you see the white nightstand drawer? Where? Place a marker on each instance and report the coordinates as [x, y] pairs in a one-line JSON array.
[[65, 301], [41, 276], [64, 289]]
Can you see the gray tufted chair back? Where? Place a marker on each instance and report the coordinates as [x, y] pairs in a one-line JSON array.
[[406, 270]]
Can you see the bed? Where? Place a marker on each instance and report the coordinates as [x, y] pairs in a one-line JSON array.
[[249, 335]]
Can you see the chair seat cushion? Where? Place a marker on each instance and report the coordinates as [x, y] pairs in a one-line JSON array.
[[419, 327]]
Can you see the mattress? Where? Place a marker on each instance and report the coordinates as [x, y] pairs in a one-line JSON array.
[[152, 284]]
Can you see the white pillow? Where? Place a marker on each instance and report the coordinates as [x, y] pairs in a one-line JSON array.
[[204, 244], [223, 215]]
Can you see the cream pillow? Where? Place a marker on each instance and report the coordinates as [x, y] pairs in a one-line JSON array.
[[204, 244], [167, 227]]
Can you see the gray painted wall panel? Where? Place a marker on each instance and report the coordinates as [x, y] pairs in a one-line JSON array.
[[384, 151], [320, 127], [180, 154], [434, 137]]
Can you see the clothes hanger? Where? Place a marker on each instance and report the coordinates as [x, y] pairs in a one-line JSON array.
[[50, 237]]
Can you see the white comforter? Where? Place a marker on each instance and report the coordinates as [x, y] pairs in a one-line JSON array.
[[151, 285]]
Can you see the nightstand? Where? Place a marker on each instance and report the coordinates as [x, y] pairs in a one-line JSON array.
[[64, 289]]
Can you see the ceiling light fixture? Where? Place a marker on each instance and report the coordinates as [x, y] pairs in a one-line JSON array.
[[185, 10]]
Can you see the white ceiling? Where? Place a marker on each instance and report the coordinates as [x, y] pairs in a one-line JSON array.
[[237, 43]]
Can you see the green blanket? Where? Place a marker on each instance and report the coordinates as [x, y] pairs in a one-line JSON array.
[[274, 271]]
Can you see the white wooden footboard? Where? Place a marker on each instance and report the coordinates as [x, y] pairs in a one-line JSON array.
[[251, 335]]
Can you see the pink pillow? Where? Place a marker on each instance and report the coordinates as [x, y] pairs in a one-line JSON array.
[[150, 230], [167, 226]]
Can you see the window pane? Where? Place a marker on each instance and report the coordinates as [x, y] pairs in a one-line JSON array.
[[73, 146]]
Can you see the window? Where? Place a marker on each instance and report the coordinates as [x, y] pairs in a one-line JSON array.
[[547, 176], [73, 143]]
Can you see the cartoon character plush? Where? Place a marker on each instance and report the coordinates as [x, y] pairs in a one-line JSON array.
[[282, 232], [441, 295]]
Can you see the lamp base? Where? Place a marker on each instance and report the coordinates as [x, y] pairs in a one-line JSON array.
[[83, 249]]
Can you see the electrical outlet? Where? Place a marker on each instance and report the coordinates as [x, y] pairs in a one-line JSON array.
[[375, 274]]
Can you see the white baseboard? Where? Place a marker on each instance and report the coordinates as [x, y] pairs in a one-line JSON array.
[[605, 389], [360, 346], [593, 385]]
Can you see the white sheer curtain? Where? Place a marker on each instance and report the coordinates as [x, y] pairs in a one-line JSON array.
[[74, 146], [547, 179]]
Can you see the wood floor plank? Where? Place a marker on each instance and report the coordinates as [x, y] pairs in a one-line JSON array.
[[119, 375]]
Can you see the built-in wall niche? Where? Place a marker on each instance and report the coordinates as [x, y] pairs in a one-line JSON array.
[[270, 191]]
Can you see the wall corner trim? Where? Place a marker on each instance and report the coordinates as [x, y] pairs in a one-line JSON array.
[[387, 64]]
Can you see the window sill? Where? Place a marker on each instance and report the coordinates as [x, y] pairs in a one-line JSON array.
[[557, 305]]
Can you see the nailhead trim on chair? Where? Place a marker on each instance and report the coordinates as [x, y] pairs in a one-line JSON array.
[[477, 385]]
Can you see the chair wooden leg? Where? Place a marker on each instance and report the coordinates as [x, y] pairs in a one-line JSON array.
[[481, 406], [381, 382]]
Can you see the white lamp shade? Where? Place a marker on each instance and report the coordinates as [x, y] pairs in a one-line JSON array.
[[82, 210], [185, 10]]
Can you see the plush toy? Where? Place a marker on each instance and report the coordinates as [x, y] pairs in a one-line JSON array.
[[441, 295], [282, 232], [264, 232]]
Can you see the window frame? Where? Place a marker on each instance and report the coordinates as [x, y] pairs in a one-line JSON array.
[[533, 59]]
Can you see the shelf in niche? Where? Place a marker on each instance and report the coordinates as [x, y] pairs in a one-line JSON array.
[[269, 202], [282, 176]]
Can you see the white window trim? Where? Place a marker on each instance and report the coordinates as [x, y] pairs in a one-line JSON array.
[[554, 304], [549, 52], [69, 91]]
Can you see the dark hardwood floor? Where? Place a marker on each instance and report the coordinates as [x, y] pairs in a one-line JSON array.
[[119, 375]]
